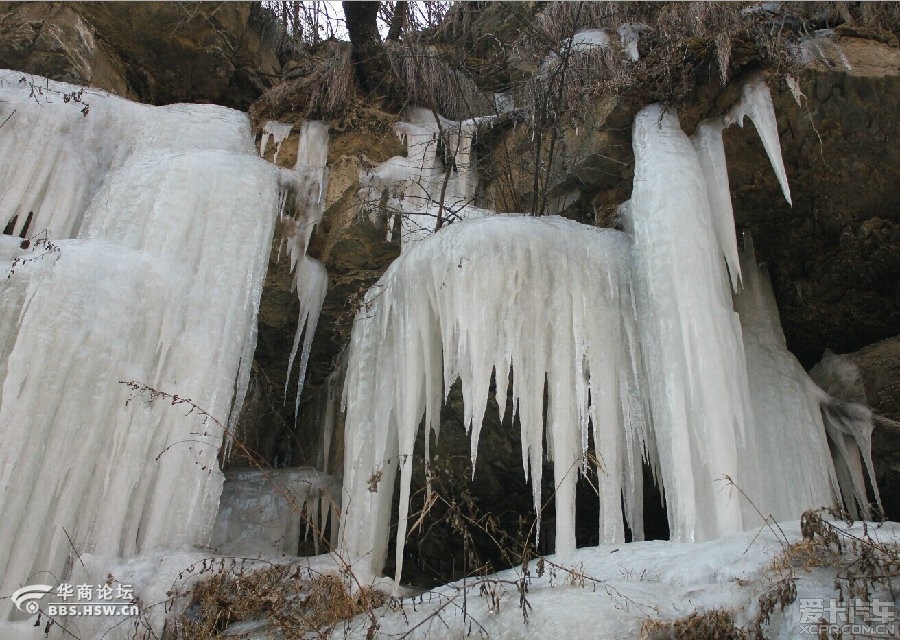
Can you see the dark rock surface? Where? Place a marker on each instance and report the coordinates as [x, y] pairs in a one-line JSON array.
[[154, 52]]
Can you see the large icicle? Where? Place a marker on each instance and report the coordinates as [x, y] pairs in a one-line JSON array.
[[308, 182], [756, 104], [690, 335], [546, 298], [159, 222]]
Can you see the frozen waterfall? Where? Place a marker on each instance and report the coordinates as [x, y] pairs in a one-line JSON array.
[[137, 242], [636, 336], [547, 298]]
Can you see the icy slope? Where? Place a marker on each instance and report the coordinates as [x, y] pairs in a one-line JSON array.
[[609, 592]]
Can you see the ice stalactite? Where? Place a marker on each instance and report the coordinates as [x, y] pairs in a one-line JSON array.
[[690, 335], [149, 235], [272, 511], [547, 298], [756, 104], [277, 132], [786, 409], [307, 184], [434, 182], [711, 153], [849, 423], [325, 414]]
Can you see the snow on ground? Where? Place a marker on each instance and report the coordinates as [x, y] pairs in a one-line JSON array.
[[611, 590]]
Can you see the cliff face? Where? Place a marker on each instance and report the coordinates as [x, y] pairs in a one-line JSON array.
[[154, 52]]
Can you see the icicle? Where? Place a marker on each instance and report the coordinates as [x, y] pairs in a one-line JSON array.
[[421, 187], [756, 104], [794, 87], [308, 182], [711, 153], [278, 132], [849, 422], [420, 333], [311, 281]]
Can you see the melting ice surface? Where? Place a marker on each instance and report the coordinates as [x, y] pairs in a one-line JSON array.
[[159, 222], [636, 337]]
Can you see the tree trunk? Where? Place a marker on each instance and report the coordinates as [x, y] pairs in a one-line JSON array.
[[398, 20], [368, 53]]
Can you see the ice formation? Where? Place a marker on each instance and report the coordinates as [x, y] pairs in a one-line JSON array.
[[849, 423], [420, 333], [629, 36], [149, 230], [621, 329], [690, 334], [434, 182], [756, 104], [277, 132], [309, 180], [786, 408], [271, 511]]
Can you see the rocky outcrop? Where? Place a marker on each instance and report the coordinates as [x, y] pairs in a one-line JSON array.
[[834, 256], [155, 52]]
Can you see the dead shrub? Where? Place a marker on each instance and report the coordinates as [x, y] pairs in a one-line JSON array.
[[296, 601]]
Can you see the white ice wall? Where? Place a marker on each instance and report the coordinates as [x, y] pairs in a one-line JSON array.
[[163, 218], [547, 298]]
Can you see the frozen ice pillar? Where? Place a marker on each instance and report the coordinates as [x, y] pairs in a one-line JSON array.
[[690, 335]]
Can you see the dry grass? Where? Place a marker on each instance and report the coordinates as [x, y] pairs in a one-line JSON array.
[[715, 624], [297, 602], [321, 85]]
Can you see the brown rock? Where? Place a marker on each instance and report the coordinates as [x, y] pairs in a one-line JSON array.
[[155, 52]]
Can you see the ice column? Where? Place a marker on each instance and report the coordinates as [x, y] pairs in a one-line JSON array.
[[159, 222], [308, 183], [690, 335], [794, 469]]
